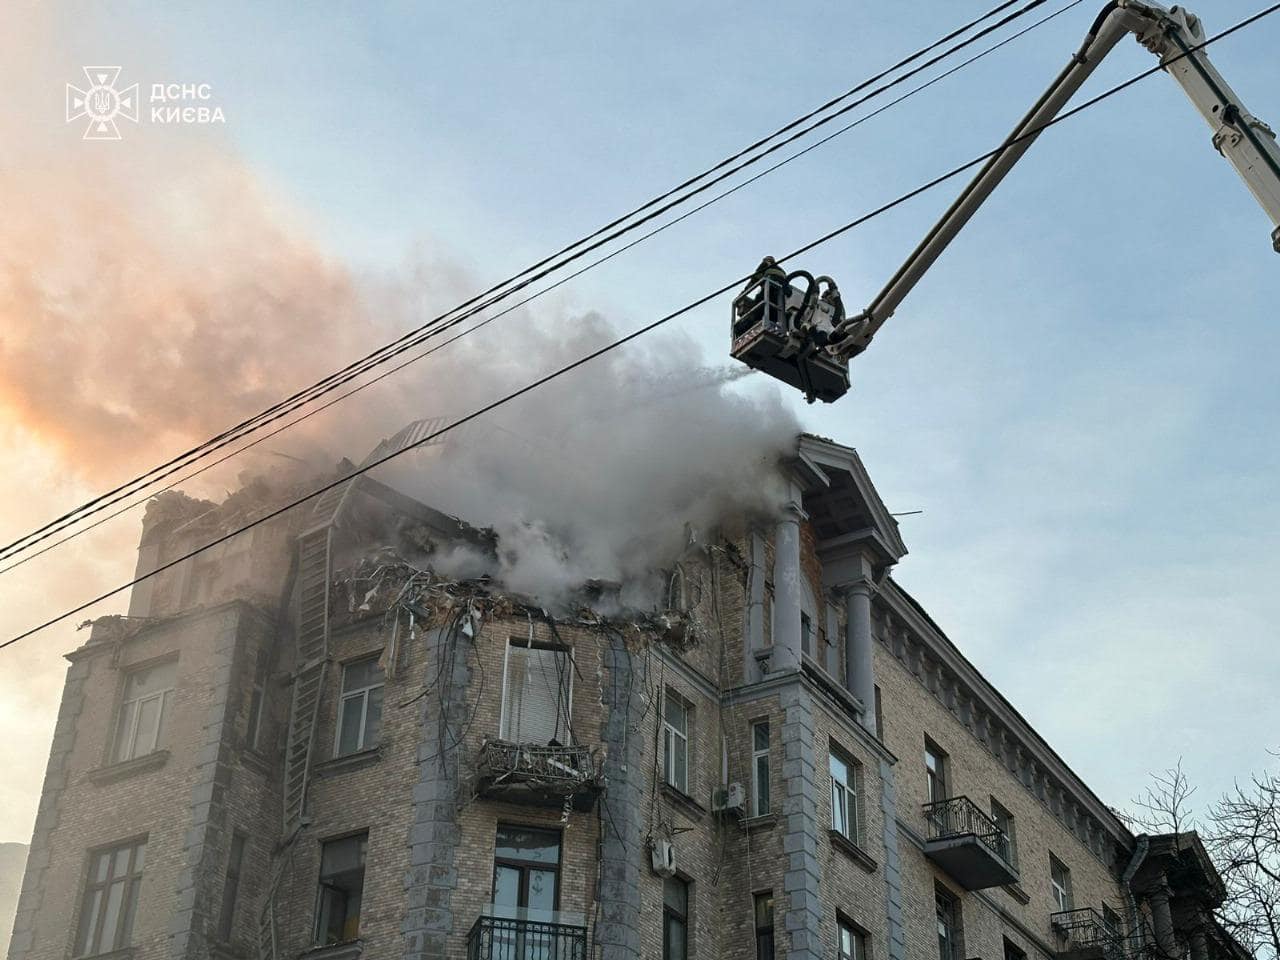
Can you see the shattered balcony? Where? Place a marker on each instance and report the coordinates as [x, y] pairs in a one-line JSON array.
[[1084, 935], [541, 775], [968, 844]]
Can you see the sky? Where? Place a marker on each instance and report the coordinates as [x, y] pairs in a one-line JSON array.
[[1080, 396]]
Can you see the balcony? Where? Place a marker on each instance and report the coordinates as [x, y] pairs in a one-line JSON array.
[[1084, 935], [514, 938], [540, 775], [968, 844]]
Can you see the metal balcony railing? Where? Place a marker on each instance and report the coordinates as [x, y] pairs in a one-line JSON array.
[[961, 817], [1085, 931], [539, 774], [503, 938]]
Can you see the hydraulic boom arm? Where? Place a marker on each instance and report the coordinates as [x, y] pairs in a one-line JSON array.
[[1173, 35], [1248, 143]]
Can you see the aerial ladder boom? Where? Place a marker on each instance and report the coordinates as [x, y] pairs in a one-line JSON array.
[[802, 336]]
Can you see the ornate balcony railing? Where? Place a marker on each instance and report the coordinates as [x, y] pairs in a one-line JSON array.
[[540, 774], [1085, 932], [503, 938], [960, 817]]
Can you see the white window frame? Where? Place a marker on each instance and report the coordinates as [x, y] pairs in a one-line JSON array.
[[343, 696], [678, 779], [937, 774], [165, 698], [759, 758], [844, 795], [1003, 819], [1060, 890], [563, 724]]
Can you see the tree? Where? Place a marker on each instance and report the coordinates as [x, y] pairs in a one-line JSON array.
[[1241, 832]]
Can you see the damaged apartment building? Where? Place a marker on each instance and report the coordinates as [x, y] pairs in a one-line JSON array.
[[309, 742]]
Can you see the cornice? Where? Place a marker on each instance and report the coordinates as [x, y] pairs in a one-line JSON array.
[[993, 721]]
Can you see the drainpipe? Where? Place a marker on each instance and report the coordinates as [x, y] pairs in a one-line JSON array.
[[859, 665], [786, 590]]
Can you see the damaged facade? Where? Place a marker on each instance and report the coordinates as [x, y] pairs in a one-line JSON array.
[[310, 742]]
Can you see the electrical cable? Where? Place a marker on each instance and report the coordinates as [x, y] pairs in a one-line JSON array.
[[647, 328], [416, 336]]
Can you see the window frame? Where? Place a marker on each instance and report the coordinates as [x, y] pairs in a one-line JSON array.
[[859, 938], [524, 865], [761, 779], [257, 705], [89, 944], [564, 694], [231, 885], [669, 737], [672, 916], [1060, 892], [318, 933], [766, 948], [362, 738], [947, 912], [937, 772], [1007, 823], [165, 697], [845, 795]]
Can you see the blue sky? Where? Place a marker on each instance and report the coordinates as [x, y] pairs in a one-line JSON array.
[[1080, 396]]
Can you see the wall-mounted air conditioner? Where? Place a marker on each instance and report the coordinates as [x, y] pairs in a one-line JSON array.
[[731, 798], [663, 853]]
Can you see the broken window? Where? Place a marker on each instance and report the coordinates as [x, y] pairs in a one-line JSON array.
[[110, 899], [341, 889], [675, 740], [257, 700], [148, 692], [360, 708], [538, 694]]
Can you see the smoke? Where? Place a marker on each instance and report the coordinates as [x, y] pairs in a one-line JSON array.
[[599, 475]]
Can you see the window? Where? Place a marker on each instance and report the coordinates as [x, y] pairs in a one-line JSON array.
[[537, 694], [1111, 921], [764, 925], [844, 796], [948, 925], [806, 635], [935, 768], [1012, 951], [526, 873], [148, 694], [110, 898], [341, 889], [257, 699], [760, 768], [1004, 822], [879, 716], [235, 863], [675, 919], [360, 710], [1059, 883], [675, 741], [852, 942]]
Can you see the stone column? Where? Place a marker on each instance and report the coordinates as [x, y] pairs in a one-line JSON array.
[[859, 675], [1162, 919], [787, 595], [1199, 942]]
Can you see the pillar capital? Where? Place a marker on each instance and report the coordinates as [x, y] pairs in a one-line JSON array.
[[791, 511]]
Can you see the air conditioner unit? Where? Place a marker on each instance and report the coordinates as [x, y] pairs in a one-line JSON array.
[[663, 853], [731, 798]]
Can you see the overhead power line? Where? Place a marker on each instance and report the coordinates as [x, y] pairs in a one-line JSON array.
[[260, 438], [647, 328], [512, 285]]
